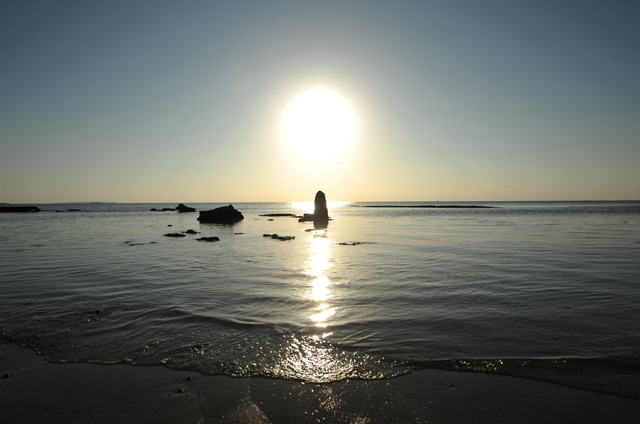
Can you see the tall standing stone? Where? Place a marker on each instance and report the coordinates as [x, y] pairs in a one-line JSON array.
[[320, 211]]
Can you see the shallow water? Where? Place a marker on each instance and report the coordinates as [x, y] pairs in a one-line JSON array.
[[543, 290]]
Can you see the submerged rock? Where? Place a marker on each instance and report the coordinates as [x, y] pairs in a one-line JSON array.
[[222, 215], [190, 231], [277, 237], [307, 217], [183, 208], [208, 239], [175, 235]]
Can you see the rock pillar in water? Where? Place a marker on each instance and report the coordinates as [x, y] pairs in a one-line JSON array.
[[320, 211]]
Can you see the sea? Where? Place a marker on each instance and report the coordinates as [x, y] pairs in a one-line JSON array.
[[541, 290]]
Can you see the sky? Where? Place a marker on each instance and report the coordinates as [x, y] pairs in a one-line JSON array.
[[185, 101]]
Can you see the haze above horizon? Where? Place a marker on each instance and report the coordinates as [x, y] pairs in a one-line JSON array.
[[248, 101]]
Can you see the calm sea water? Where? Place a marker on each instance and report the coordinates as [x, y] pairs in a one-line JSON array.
[[542, 290]]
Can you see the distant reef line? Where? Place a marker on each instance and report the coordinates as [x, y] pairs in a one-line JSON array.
[[431, 206]]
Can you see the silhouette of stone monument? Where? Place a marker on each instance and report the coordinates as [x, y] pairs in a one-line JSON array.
[[320, 215], [320, 211]]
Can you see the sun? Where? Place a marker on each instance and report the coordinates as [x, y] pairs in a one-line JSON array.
[[319, 122]]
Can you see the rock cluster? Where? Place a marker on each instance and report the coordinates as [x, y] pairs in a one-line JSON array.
[[180, 208], [183, 208]]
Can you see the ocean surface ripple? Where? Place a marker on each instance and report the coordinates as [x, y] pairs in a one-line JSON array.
[[545, 290]]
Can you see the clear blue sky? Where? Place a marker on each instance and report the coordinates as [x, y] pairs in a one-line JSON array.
[[151, 101]]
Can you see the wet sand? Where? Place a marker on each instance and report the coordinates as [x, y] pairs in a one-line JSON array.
[[35, 391]]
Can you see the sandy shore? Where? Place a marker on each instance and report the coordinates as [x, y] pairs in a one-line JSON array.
[[35, 391]]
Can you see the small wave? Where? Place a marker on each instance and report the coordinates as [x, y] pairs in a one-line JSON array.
[[489, 365], [616, 376], [280, 354]]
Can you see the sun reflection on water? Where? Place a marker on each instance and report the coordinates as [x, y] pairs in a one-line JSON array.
[[312, 357], [310, 354], [320, 287], [315, 360]]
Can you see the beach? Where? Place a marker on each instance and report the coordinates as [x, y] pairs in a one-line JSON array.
[[35, 391]]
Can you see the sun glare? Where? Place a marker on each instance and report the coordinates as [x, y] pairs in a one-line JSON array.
[[319, 122]]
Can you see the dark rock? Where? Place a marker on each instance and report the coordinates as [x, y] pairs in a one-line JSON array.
[[270, 219], [238, 234], [268, 235], [167, 209], [354, 243], [154, 210], [174, 235], [208, 239], [19, 209], [222, 215], [183, 208], [292, 215], [75, 210], [191, 232]]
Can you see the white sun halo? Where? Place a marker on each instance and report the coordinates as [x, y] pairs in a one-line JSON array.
[[319, 122]]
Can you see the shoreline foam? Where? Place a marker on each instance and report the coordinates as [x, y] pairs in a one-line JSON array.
[[37, 391]]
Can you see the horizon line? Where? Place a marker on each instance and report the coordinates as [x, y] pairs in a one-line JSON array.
[[331, 201]]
